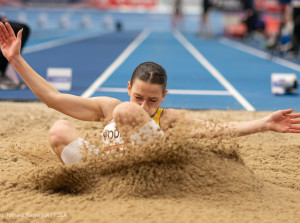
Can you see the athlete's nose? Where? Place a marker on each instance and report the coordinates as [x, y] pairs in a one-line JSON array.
[[144, 105]]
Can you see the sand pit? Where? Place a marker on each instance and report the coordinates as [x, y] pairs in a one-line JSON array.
[[248, 179]]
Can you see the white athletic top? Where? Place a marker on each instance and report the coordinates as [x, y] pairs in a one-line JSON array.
[[111, 136], [112, 139]]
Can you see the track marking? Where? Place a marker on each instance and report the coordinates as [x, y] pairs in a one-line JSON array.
[[201, 59], [172, 91], [60, 42], [259, 53], [108, 72]]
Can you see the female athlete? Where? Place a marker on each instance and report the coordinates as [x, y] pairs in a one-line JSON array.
[[147, 90]]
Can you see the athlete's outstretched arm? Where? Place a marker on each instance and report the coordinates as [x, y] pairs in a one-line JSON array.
[[283, 121], [90, 109]]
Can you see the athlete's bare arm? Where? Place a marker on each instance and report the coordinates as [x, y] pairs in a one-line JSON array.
[[89, 109], [283, 121], [280, 121]]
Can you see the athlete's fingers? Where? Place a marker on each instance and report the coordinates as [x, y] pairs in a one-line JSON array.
[[295, 115], [295, 127], [1, 37], [294, 131], [19, 35], [296, 121], [4, 30], [1, 32], [10, 30], [287, 111]]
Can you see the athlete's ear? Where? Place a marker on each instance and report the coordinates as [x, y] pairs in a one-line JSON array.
[[129, 88], [164, 94]]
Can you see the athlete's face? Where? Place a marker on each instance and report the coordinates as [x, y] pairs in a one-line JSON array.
[[147, 95]]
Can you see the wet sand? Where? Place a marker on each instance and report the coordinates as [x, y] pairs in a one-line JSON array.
[[253, 178]]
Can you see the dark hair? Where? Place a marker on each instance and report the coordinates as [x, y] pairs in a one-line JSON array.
[[150, 72]]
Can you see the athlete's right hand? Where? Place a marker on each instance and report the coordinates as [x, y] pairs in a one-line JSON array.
[[10, 44]]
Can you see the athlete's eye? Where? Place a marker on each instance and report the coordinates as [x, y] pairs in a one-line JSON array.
[[139, 98], [153, 101]]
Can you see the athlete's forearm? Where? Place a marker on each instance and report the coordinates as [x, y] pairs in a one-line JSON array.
[[210, 129], [38, 85], [248, 127]]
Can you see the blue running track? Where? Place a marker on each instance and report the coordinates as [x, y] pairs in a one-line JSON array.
[[202, 73]]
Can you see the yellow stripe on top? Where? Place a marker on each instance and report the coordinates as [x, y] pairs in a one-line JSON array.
[[156, 116]]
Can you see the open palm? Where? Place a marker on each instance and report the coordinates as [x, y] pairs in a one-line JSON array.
[[10, 44], [284, 121]]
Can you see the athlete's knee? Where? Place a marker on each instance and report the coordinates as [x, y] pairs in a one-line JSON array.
[[60, 133], [125, 109], [129, 112]]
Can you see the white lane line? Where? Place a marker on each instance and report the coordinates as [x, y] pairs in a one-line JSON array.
[[198, 92], [201, 59], [60, 42], [259, 53], [125, 54], [173, 91]]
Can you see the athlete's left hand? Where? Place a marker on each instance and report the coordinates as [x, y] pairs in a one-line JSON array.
[[284, 121]]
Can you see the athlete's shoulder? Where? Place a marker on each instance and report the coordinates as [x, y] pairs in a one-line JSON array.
[[107, 99], [172, 112], [107, 105], [169, 117]]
